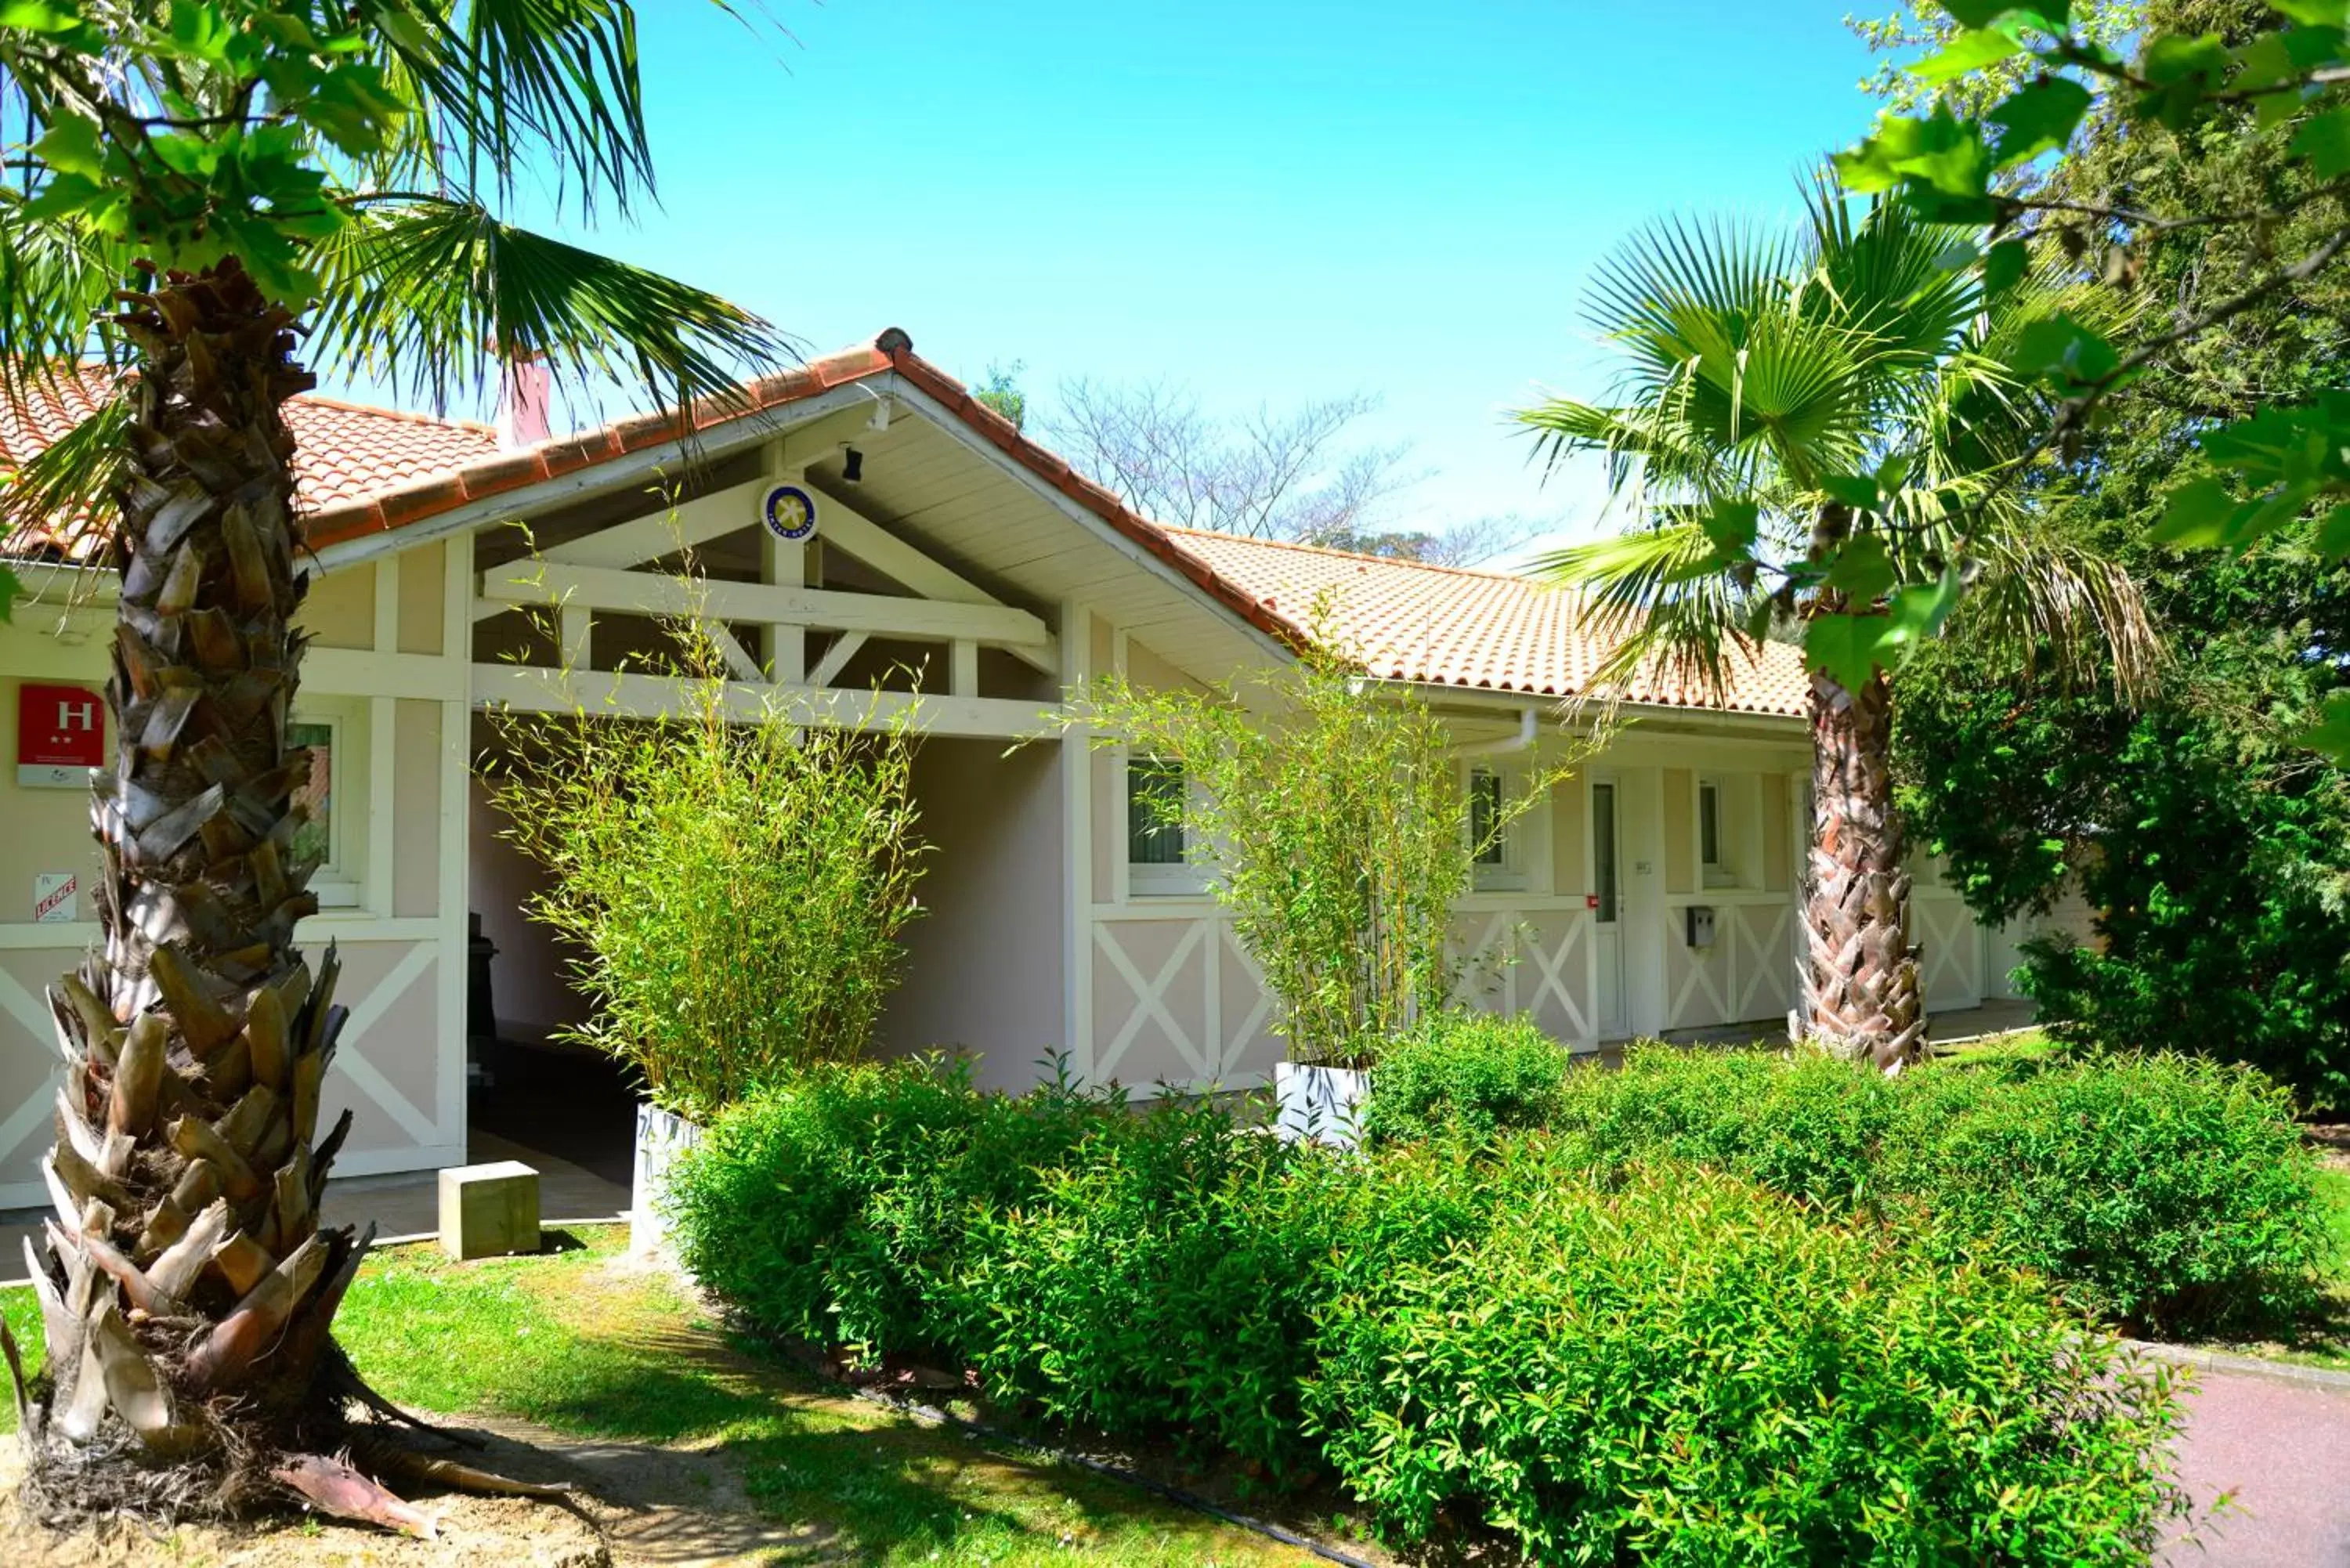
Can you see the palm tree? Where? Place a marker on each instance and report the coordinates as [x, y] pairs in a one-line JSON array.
[[198, 185], [1819, 438]]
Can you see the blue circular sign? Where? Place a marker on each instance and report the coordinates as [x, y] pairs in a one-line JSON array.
[[789, 513]]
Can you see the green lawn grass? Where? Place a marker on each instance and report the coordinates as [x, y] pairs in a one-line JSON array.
[[584, 1344], [2025, 1045]]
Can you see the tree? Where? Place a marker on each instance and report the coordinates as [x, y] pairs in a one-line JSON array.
[[1811, 432], [196, 181], [1266, 476], [2217, 852], [2214, 851], [1469, 543], [1988, 123], [1000, 391]]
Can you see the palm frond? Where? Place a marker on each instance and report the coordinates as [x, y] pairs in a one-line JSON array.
[[1890, 279], [1651, 289], [1647, 448], [501, 85], [1660, 596], [63, 497], [435, 296], [55, 281], [2062, 601]]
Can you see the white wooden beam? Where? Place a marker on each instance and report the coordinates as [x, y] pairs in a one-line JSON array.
[[836, 659], [783, 564], [574, 627], [643, 593], [664, 532], [853, 533], [854, 398], [536, 690], [738, 659], [962, 667], [1076, 765]]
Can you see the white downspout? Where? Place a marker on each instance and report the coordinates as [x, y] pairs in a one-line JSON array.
[[1527, 730]]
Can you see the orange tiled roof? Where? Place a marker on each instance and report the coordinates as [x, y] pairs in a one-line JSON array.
[[345, 454], [1485, 631], [361, 471]]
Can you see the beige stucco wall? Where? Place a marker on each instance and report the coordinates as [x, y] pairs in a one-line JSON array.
[[338, 611], [421, 609], [1778, 835], [982, 969], [1567, 833], [1680, 816], [397, 784], [417, 808]]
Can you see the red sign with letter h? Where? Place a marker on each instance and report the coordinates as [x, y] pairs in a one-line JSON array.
[[60, 727]]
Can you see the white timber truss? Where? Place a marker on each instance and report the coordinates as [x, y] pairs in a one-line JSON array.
[[613, 572]]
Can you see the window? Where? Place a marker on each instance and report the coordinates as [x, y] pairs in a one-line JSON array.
[[321, 838], [1157, 856], [1493, 839], [1484, 815], [1717, 854], [1603, 849]]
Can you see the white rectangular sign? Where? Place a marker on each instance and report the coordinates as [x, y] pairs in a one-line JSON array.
[[55, 897]]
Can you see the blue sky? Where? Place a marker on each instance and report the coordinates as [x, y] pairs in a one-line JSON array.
[[1266, 203]]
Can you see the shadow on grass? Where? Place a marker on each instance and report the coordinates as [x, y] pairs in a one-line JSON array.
[[596, 1353]]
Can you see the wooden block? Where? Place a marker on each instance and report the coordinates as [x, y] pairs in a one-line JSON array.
[[489, 1211]]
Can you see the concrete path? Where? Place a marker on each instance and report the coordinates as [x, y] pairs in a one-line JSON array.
[[408, 1204], [2281, 1444]]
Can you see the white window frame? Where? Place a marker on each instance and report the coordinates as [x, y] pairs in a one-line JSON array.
[[1509, 874], [1185, 879], [334, 883]]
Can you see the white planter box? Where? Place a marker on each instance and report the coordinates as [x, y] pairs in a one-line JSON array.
[[1323, 1104], [660, 1138]]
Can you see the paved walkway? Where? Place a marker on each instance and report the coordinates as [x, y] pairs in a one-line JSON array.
[[408, 1204], [2282, 1450]]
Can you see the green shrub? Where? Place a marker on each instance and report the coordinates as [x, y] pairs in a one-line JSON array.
[[2167, 1191], [832, 1206], [2156, 1191], [1464, 1075], [1161, 1281], [1490, 1324], [1806, 1124], [1691, 1371]]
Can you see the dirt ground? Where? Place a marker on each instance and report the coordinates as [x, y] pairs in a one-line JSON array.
[[639, 1505]]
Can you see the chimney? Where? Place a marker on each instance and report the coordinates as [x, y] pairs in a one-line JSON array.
[[523, 397]]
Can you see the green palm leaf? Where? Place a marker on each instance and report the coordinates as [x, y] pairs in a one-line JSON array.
[[433, 296]]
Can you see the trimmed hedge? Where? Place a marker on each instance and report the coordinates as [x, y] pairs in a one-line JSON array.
[[2161, 1192], [1465, 1075], [1437, 1323], [1688, 1370]]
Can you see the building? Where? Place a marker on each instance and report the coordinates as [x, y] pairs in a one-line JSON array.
[[858, 519]]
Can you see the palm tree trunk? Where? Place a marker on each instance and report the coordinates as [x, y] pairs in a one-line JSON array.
[[186, 1287], [1860, 984]]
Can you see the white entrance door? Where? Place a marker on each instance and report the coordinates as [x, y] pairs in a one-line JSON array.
[[1608, 924]]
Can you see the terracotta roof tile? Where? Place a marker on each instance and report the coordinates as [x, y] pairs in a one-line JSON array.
[[1482, 631], [361, 471], [345, 454]]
